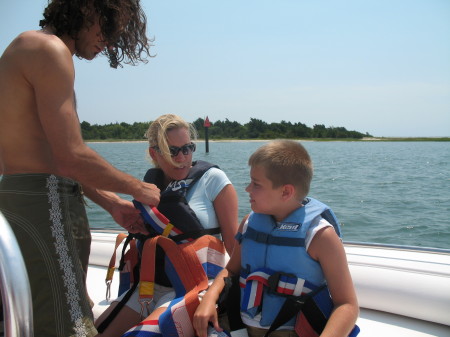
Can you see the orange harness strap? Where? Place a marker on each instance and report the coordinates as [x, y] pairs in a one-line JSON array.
[[189, 261]]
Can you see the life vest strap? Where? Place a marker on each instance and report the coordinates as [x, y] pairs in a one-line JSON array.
[[294, 304], [298, 292], [280, 283], [195, 234], [311, 319], [269, 239]]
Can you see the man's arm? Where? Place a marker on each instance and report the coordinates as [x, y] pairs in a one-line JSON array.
[[52, 78], [122, 211]]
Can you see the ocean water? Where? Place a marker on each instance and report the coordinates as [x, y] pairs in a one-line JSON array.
[[382, 192]]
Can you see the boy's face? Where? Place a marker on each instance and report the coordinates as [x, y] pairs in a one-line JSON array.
[[264, 198]]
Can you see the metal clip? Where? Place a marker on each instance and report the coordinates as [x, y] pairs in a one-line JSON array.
[[108, 289], [145, 303]]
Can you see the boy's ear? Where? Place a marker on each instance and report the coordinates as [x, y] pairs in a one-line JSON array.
[[288, 192]]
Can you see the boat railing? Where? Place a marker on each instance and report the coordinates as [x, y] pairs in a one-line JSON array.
[[14, 284]]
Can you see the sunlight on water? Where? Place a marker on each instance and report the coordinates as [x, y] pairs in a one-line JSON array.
[[385, 192]]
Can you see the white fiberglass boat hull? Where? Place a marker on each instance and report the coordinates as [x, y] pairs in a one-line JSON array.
[[401, 291]]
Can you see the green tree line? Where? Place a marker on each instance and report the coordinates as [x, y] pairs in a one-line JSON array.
[[254, 129]]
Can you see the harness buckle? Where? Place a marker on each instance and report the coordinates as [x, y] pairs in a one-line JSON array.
[[145, 305]]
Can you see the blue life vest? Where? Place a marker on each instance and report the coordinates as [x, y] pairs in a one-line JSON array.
[[274, 258]]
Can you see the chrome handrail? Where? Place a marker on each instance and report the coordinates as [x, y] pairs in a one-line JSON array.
[[14, 284]]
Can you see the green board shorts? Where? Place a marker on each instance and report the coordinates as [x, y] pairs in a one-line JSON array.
[[48, 217]]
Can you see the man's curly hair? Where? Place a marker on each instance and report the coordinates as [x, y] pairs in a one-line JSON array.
[[123, 24]]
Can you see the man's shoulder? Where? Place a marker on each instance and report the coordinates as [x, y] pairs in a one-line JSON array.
[[38, 43], [51, 43], [35, 55]]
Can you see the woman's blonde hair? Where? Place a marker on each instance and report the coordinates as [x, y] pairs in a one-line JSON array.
[[285, 162], [157, 133]]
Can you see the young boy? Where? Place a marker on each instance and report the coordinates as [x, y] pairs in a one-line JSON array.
[[288, 246]]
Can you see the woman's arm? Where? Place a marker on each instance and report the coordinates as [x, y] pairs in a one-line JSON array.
[[328, 250], [226, 209]]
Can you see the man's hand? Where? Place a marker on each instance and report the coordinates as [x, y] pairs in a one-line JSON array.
[[123, 211], [127, 216], [148, 194]]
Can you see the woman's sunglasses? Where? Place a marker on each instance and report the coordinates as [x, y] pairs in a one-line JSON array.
[[174, 150]]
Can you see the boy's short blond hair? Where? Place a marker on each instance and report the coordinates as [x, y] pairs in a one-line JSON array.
[[285, 162]]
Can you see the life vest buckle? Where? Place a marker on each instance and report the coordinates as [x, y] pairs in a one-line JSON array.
[[274, 280]]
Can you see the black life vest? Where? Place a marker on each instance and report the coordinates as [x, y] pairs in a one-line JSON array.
[[174, 206], [173, 203]]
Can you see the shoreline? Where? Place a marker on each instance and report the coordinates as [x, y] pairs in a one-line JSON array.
[[364, 139]]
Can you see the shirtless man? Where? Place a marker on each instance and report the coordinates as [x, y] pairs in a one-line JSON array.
[[44, 161]]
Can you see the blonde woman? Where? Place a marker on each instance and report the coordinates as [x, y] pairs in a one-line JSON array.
[[211, 206]]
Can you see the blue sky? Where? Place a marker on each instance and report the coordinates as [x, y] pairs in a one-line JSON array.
[[376, 66]]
